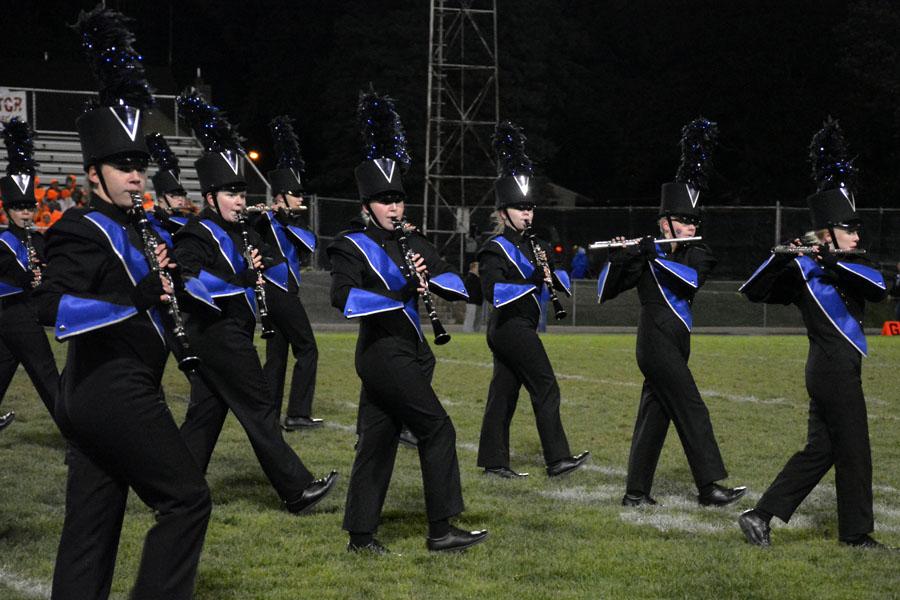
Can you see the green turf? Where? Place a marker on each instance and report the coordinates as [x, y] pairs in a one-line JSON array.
[[548, 539]]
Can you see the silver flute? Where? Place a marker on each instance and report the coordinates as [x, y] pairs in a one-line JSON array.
[[188, 362], [261, 208], [812, 249], [636, 241]]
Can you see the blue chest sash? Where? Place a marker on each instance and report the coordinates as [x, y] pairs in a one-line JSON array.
[[217, 286], [15, 246], [160, 230], [77, 315], [277, 275], [392, 278], [665, 273], [830, 302]]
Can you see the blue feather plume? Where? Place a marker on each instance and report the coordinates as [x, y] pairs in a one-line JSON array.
[[210, 124], [698, 140], [381, 129], [509, 146], [287, 147], [19, 140], [831, 166]]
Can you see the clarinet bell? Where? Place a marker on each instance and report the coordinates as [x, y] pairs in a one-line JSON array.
[[268, 331], [561, 313], [189, 364], [441, 338]]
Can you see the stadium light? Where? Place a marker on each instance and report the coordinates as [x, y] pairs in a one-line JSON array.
[[253, 155]]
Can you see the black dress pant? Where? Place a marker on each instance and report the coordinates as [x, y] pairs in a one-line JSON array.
[[838, 435], [231, 377], [122, 435], [292, 329], [669, 395], [26, 343], [519, 358], [396, 376]]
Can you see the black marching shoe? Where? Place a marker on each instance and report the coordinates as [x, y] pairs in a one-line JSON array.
[[373, 547], [408, 439], [567, 465], [638, 500], [719, 495], [456, 541], [6, 420], [866, 542], [755, 528], [504, 473], [313, 494], [295, 423]]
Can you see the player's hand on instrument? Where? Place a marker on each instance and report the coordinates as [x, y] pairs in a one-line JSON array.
[[256, 258], [648, 247], [162, 257], [421, 270]]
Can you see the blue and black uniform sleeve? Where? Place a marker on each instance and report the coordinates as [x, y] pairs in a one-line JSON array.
[[773, 282], [620, 273]]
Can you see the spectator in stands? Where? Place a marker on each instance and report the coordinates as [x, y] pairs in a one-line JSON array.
[[579, 263], [39, 190]]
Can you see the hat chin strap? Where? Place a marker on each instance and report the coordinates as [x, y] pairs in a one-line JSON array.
[[509, 220], [834, 242], [372, 218]]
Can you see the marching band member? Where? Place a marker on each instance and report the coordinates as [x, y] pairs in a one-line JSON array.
[[372, 280], [514, 281], [103, 297], [831, 291], [282, 231], [667, 277], [22, 258], [172, 204], [224, 255]]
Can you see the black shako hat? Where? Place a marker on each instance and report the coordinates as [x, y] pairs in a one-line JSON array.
[[112, 126], [514, 169], [385, 157], [833, 204], [287, 177], [17, 187], [220, 165], [167, 179], [682, 196]]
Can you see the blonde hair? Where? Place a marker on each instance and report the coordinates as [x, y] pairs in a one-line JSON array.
[[497, 222]]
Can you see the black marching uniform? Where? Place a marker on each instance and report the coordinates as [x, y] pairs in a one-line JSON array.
[[828, 292], [831, 292], [104, 299], [20, 332], [396, 365], [513, 283], [120, 434], [284, 235], [666, 284], [231, 376]]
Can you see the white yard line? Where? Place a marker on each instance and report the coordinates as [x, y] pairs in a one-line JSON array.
[[30, 588]]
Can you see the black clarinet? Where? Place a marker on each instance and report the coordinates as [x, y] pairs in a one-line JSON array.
[[188, 361], [403, 228], [540, 257], [259, 289], [34, 262]]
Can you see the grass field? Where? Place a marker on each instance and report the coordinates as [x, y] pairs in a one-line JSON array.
[[549, 539]]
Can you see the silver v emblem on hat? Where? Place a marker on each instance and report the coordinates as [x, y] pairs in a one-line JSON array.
[[296, 174], [22, 180], [382, 164], [232, 159], [133, 118], [694, 195], [522, 182], [849, 196]]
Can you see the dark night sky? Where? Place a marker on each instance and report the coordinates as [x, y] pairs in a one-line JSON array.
[[602, 88]]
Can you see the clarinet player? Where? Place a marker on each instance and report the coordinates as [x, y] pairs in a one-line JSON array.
[[372, 281], [514, 278], [21, 260]]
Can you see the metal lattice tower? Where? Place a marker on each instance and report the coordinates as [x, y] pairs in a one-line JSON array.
[[463, 107]]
